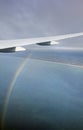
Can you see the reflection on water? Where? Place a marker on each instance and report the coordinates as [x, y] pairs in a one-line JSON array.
[[44, 94]]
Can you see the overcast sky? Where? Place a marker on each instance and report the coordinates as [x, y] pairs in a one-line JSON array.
[[33, 18]]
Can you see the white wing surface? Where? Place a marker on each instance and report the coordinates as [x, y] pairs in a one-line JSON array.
[[22, 42]]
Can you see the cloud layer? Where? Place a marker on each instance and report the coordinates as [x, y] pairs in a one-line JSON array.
[[33, 18]]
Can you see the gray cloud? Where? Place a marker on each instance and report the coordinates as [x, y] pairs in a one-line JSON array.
[[33, 18]]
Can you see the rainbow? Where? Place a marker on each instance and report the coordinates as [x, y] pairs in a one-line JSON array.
[[10, 88]]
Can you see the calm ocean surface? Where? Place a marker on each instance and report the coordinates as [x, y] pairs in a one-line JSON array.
[[41, 94]]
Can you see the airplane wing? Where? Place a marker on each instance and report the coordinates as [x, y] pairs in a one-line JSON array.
[[6, 44]]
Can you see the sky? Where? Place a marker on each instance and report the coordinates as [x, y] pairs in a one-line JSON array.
[[34, 18]]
